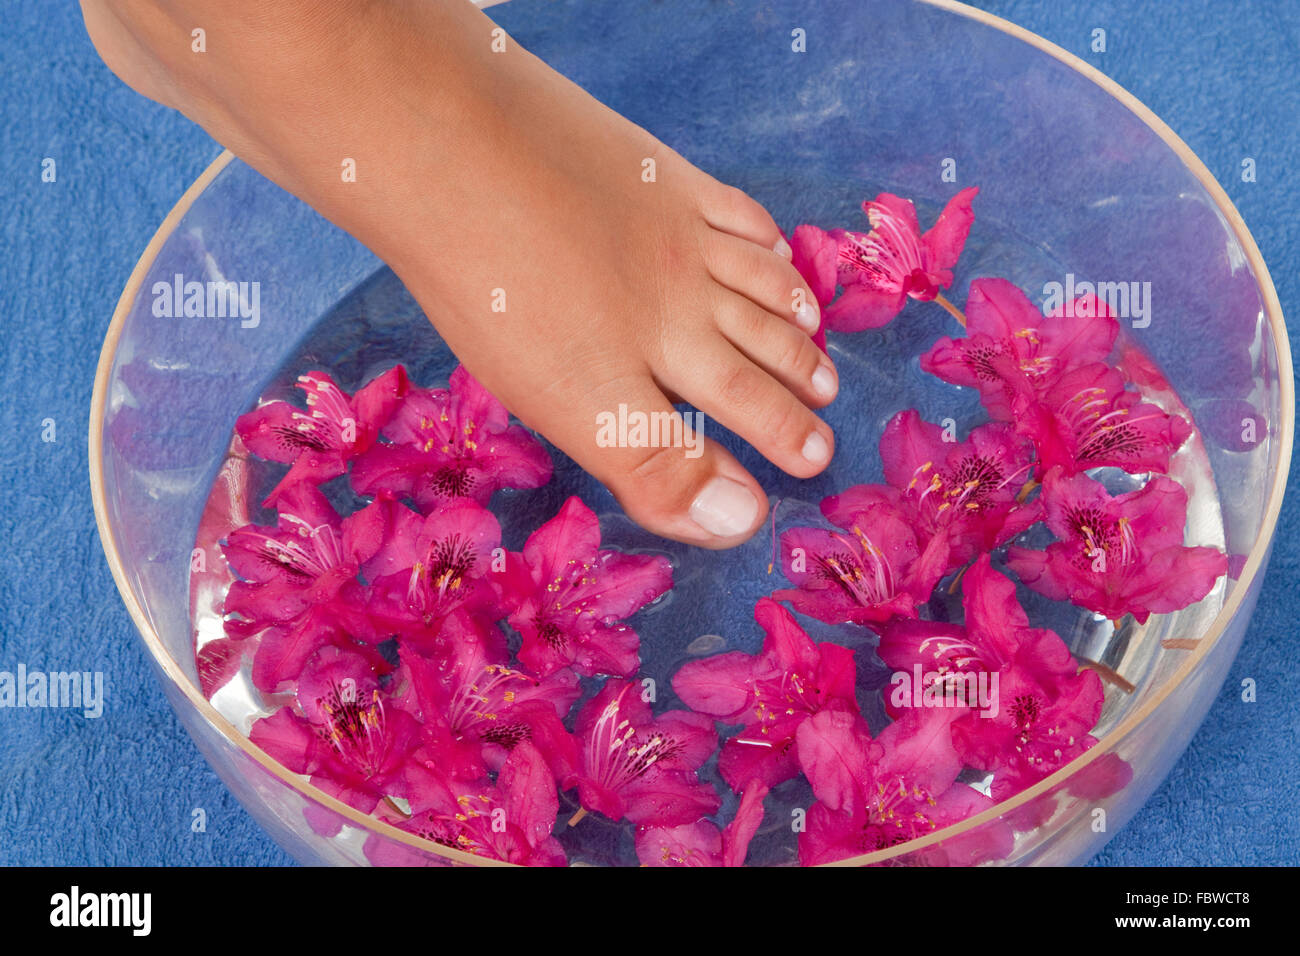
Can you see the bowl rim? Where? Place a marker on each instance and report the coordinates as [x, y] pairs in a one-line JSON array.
[[1254, 562]]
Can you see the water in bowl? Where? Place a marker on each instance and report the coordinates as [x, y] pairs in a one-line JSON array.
[[710, 608]]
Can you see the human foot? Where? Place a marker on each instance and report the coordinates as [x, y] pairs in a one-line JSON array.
[[572, 262]]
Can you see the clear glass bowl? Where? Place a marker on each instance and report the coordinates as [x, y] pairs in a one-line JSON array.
[[1076, 177]]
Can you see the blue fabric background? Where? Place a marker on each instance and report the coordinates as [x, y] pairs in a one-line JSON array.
[[121, 789]]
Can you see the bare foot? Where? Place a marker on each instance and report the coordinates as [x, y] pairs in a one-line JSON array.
[[485, 179]]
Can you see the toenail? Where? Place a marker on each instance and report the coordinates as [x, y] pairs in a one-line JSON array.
[[782, 249], [823, 381], [724, 508], [815, 449], [808, 318]]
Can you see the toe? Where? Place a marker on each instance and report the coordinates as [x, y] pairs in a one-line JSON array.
[[733, 211], [777, 347], [744, 398], [666, 473], [763, 277]]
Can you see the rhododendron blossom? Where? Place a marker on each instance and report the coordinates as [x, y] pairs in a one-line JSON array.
[[872, 795], [476, 709], [448, 443], [1037, 730], [299, 586], [1011, 346], [511, 820], [965, 494], [336, 428], [996, 636], [771, 693], [438, 569], [1088, 419], [702, 843], [640, 767], [880, 269], [569, 596], [871, 571], [345, 735], [1118, 555]]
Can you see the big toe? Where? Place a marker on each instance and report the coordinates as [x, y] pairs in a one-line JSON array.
[[668, 476]]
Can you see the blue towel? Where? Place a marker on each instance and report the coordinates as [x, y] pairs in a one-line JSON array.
[[123, 788]]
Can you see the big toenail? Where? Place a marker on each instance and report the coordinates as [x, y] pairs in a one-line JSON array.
[[724, 508]]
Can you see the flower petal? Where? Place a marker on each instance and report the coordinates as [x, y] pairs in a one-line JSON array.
[[947, 237], [861, 308]]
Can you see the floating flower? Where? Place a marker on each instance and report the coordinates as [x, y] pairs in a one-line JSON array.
[[449, 443], [1010, 346], [963, 492], [702, 843], [335, 428], [871, 571], [569, 596], [1087, 419], [488, 708], [437, 571], [640, 767], [511, 820], [299, 582], [771, 693], [346, 736], [1035, 731], [872, 795], [996, 635], [881, 269], [1118, 555]]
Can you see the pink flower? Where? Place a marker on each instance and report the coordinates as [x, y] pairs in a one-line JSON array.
[[1042, 707], [701, 843], [345, 737], [511, 820], [639, 767], [962, 492], [1011, 346], [335, 429], [815, 254], [881, 269], [1118, 555], [771, 693], [452, 443], [1087, 419], [311, 557], [1035, 732], [996, 635], [486, 708], [436, 571], [300, 582], [872, 795], [873, 570], [569, 597]]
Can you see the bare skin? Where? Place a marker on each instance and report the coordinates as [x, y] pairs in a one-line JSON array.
[[479, 170]]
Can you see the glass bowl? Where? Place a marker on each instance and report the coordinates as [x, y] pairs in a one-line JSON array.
[[1079, 182]]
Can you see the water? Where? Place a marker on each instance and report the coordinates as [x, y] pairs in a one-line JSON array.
[[711, 606]]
